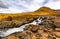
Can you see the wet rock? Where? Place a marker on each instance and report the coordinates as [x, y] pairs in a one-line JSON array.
[[43, 31], [34, 29]]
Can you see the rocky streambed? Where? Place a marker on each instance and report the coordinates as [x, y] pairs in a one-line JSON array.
[[6, 32], [40, 28]]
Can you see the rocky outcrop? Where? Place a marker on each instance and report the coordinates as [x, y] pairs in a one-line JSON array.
[[48, 29]]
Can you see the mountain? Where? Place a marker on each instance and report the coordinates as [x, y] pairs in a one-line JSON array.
[[47, 11], [40, 11], [44, 9]]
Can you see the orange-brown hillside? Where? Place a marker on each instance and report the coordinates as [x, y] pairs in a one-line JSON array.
[[46, 11], [40, 11]]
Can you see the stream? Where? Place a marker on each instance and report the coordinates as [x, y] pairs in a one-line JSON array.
[[4, 33]]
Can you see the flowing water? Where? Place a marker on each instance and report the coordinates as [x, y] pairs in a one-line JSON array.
[[4, 33]]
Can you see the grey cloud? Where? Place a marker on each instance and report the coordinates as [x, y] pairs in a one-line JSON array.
[[3, 5]]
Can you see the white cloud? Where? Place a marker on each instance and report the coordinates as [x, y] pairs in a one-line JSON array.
[[35, 4], [3, 5], [53, 5], [16, 6], [10, 10], [53, 0]]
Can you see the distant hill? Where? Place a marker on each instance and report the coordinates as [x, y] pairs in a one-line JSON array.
[[47, 11], [44, 9], [40, 11]]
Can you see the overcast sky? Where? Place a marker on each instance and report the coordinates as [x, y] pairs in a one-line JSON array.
[[16, 6]]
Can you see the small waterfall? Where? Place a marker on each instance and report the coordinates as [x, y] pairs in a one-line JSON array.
[[21, 28]]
